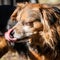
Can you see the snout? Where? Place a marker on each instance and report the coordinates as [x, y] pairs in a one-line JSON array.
[[14, 34]]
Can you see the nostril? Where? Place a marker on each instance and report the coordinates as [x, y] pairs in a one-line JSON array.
[[11, 34]]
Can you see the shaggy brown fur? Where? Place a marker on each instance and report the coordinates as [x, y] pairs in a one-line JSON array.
[[40, 23], [3, 46]]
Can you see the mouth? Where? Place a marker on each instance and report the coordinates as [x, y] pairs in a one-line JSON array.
[[9, 37]]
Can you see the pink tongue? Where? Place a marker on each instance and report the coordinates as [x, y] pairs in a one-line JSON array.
[[7, 36]]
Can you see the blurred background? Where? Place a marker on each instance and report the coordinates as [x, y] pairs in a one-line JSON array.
[[13, 2]]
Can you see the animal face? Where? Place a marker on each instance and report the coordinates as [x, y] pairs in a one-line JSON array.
[[38, 23], [27, 25]]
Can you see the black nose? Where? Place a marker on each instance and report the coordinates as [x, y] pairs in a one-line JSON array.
[[12, 34]]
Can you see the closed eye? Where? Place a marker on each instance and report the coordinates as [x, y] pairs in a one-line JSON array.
[[29, 24]]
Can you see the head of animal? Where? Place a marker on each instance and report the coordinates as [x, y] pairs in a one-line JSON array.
[[37, 24]]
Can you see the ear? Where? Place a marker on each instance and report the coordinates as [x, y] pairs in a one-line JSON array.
[[19, 7], [22, 5], [14, 14]]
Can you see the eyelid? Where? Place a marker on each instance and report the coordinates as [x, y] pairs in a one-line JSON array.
[[30, 23], [27, 23]]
